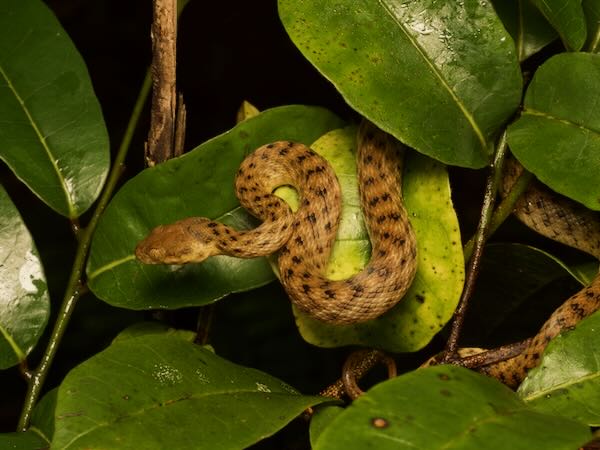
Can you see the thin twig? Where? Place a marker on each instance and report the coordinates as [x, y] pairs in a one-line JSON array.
[[492, 356], [75, 286], [491, 189]]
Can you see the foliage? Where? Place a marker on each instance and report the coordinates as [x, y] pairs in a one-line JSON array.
[[447, 79]]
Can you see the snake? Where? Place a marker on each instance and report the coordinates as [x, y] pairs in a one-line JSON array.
[[305, 238], [568, 222], [553, 216]]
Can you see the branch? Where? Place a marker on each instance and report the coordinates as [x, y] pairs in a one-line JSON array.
[[474, 265], [487, 357], [161, 136], [76, 286]]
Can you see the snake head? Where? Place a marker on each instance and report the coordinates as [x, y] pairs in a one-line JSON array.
[[186, 241]]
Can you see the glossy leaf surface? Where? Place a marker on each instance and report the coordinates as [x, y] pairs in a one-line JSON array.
[[199, 183], [124, 397], [558, 135], [321, 419], [441, 76], [53, 135], [529, 29], [28, 440], [24, 301], [42, 419], [566, 16], [447, 407], [567, 381]]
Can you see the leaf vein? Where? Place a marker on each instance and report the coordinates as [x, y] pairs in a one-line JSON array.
[[438, 75], [42, 141]]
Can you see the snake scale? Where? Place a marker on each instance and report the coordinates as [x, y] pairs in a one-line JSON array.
[[570, 223], [305, 238]]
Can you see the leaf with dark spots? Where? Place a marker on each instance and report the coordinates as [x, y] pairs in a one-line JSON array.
[[480, 406]]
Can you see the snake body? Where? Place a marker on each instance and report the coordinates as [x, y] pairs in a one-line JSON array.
[[306, 237], [570, 223]]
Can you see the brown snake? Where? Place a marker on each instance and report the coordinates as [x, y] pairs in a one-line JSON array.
[[306, 237], [555, 217], [572, 224]]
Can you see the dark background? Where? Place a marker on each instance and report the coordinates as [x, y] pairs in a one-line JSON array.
[[228, 52]]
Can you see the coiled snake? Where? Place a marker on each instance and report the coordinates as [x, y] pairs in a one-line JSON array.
[[307, 236]]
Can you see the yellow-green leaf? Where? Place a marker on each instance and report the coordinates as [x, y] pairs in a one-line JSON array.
[[431, 300]]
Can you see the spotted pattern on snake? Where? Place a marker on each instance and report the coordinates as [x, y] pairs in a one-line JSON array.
[[570, 223], [306, 237]]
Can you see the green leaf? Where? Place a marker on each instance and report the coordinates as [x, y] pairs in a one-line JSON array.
[[199, 183], [321, 419], [566, 16], [28, 440], [558, 135], [584, 272], [53, 135], [125, 396], [447, 407], [246, 111], [441, 76], [42, 419], [567, 380], [149, 328], [592, 15], [431, 300], [181, 4], [529, 29], [24, 301]]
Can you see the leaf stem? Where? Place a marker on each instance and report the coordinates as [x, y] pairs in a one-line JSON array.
[[24, 370], [76, 286], [493, 181]]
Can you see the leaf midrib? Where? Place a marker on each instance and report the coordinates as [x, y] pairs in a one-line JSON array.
[[561, 386], [438, 75], [19, 353], [548, 116], [168, 403], [42, 141]]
